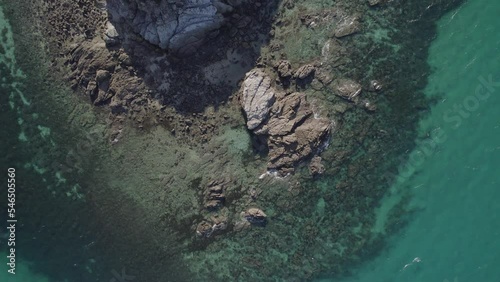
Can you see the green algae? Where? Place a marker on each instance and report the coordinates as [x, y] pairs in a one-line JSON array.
[[150, 180]]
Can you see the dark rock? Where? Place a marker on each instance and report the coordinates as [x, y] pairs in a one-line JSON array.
[[179, 26], [289, 126], [204, 230], [256, 216], [284, 68], [304, 71], [214, 196]]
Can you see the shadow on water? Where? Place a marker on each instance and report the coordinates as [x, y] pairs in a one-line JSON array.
[[210, 76], [59, 235]]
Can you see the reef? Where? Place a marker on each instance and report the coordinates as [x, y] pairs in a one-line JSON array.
[[251, 139]]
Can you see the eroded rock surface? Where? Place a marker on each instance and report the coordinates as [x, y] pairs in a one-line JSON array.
[[255, 216], [347, 89], [258, 97], [179, 26], [288, 124]]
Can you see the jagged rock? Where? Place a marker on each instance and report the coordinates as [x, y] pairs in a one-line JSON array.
[[285, 152], [286, 114], [374, 2], [287, 123], [346, 88], [304, 71], [214, 224], [214, 196], [179, 26], [316, 167], [284, 68], [255, 216], [204, 229], [258, 97], [347, 26]]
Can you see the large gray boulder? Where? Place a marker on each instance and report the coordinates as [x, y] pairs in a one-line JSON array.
[[258, 97], [176, 25]]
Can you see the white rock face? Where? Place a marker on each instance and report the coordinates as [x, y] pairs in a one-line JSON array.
[[258, 97]]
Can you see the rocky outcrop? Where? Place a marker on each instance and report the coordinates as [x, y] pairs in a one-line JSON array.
[[215, 224], [316, 167], [347, 26], [287, 123], [179, 26], [258, 97], [214, 196], [346, 88], [255, 216], [304, 71]]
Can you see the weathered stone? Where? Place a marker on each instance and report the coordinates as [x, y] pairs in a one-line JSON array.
[[369, 106], [204, 229], [214, 196], [179, 26], [316, 167], [375, 85], [304, 71], [258, 97], [347, 26], [285, 121], [346, 88], [255, 216], [284, 68], [290, 111]]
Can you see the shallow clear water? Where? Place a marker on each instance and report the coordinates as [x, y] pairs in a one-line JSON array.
[[454, 232], [452, 177]]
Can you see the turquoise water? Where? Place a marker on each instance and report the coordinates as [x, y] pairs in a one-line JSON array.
[[452, 177], [454, 232]]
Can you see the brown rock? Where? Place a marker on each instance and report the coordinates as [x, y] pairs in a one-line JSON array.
[[304, 71], [316, 167], [255, 216], [284, 68]]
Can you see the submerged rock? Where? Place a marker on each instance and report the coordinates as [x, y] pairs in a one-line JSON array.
[[346, 88], [347, 26], [316, 167], [214, 196]]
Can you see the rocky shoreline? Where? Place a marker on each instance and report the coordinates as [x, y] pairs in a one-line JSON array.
[[319, 87]]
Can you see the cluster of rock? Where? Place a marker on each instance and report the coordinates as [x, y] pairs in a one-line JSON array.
[[216, 215], [285, 120], [206, 228], [179, 26], [214, 196]]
